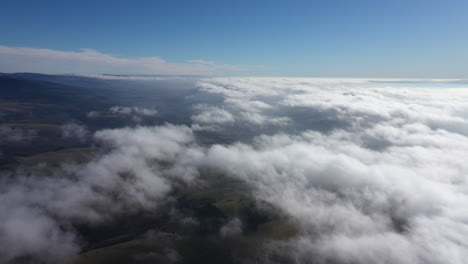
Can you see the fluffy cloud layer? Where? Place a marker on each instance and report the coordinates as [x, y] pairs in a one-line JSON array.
[[323, 104], [370, 172], [385, 182], [88, 61], [348, 199], [36, 211]]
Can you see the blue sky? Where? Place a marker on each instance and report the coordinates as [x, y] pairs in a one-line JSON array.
[[329, 38]]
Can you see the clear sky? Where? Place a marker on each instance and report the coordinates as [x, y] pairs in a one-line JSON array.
[[328, 38]]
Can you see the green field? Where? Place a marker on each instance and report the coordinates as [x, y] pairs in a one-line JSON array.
[[55, 158], [40, 127]]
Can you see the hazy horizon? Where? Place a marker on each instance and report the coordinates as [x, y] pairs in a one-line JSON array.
[[397, 39]]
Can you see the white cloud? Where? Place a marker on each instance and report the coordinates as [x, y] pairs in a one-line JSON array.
[[136, 113], [346, 197], [389, 186], [329, 100], [231, 228], [36, 210], [133, 111], [74, 130], [201, 62], [212, 116], [89, 61]]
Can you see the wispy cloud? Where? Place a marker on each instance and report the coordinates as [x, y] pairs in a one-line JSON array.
[[89, 61], [202, 62]]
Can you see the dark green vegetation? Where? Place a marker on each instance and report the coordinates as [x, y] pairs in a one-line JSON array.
[[161, 237], [49, 99], [34, 107]]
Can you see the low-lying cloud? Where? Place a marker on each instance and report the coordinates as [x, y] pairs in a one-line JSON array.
[[12, 135], [125, 110], [135, 113], [76, 131], [386, 183], [368, 172], [37, 211]]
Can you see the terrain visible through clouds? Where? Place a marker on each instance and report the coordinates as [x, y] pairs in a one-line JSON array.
[[160, 169], [234, 132]]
